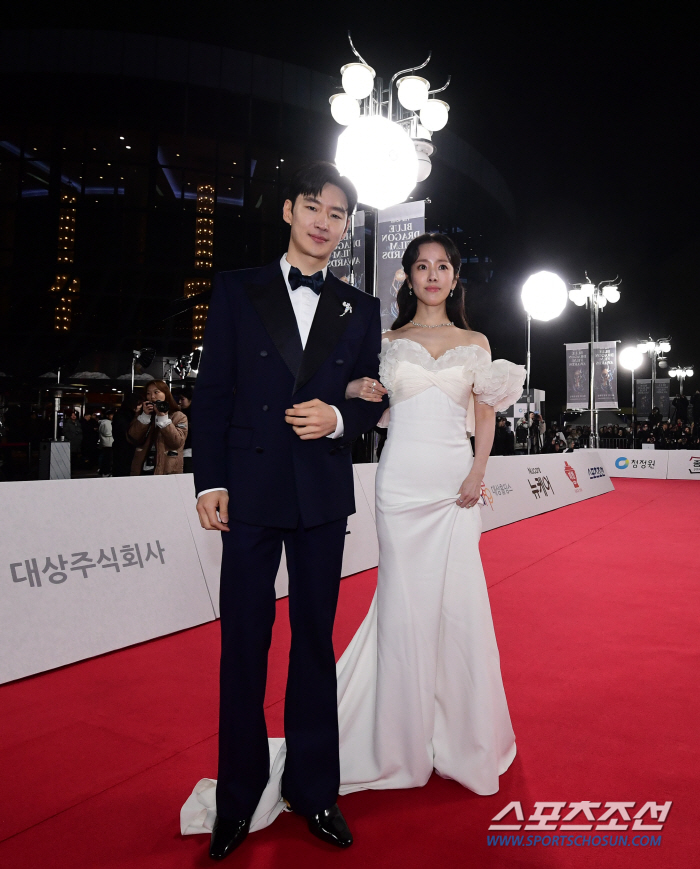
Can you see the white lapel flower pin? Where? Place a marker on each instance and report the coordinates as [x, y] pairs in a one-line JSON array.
[[348, 309]]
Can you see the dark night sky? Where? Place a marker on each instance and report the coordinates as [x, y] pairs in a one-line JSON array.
[[587, 110]]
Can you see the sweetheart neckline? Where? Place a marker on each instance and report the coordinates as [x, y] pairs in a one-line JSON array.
[[434, 358]]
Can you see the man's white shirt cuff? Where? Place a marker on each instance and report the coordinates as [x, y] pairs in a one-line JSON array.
[[219, 489], [340, 426]]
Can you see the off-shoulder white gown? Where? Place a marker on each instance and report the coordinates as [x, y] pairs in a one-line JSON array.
[[419, 686]]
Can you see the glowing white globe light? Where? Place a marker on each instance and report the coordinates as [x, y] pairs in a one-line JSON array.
[[423, 133], [577, 297], [413, 92], [380, 159], [602, 301], [664, 347], [587, 290], [675, 372], [344, 108], [434, 115], [358, 80], [642, 346], [544, 296], [612, 294], [689, 372], [631, 358]]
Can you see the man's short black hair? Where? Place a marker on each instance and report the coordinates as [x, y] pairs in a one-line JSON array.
[[309, 180]]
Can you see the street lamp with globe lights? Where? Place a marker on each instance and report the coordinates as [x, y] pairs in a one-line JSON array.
[[544, 298], [386, 147], [631, 358], [681, 374], [595, 297], [656, 350]]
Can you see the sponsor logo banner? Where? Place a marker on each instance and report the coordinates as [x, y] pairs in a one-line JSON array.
[[651, 464], [524, 486], [683, 465], [347, 261]]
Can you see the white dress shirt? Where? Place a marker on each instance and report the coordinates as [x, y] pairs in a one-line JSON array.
[[304, 303]]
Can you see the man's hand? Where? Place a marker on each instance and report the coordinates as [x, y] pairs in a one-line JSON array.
[[312, 419], [207, 506]]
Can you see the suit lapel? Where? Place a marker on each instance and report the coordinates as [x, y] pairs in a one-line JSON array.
[[326, 330], [271, 301]]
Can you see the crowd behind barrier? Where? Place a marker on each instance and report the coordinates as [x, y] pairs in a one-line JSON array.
[[136, 439]]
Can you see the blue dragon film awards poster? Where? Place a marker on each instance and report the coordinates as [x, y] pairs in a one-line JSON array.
[[348, 260], [662, 396], [605, 374], [396, 227], [577, 376]]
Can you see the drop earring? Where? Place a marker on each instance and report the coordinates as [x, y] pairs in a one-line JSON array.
[[410, 291], [452, 292]]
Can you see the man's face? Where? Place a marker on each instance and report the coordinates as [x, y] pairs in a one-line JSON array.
[[318, 223]]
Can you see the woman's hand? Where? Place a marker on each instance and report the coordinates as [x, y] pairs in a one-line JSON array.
[[469, 491], [366, 389], [148, 407]]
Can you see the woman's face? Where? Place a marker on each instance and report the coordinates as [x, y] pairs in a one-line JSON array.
[[154, 394], [432, 274]]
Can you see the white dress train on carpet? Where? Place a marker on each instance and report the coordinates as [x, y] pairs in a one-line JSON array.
[[419, 686]]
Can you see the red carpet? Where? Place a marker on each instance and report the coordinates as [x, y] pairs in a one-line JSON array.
[[596, 609]]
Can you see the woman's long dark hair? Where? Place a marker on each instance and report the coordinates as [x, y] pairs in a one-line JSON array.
[[407, 301]]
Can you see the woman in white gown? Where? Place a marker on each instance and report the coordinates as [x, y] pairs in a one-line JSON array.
[[419, 686]]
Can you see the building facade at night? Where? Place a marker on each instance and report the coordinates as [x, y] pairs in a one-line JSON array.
[[132, 168]]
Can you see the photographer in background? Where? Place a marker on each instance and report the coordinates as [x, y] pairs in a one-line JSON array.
[[159, 433]]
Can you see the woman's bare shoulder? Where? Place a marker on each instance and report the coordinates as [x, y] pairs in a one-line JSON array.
[[391, 335], [479, 339]]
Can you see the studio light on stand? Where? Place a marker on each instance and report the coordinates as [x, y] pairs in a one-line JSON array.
[[144, 357], [631, 358], [544, 298]]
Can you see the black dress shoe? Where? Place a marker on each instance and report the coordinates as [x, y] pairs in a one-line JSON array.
[[226, 837], [329, 825]]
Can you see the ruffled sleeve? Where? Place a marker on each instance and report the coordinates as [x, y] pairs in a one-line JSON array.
[[498, 383]]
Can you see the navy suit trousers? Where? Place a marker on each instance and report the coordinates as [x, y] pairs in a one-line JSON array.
[[251, 558]]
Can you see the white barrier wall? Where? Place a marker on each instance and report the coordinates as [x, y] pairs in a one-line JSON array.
[[683, 465], [89, 566], [517, 487], [647, 464]]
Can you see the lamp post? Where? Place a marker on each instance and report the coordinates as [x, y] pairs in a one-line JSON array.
[[631, 359], [656, 350], [386, 147], [544, 298], [595, 297], [681, 374]]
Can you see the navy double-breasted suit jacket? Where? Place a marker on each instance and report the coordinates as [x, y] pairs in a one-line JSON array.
[[253, 368]]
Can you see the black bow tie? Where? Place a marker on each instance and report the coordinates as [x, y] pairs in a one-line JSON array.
[[313, 282]]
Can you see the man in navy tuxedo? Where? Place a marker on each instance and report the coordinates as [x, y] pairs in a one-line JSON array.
[[273, 430]]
